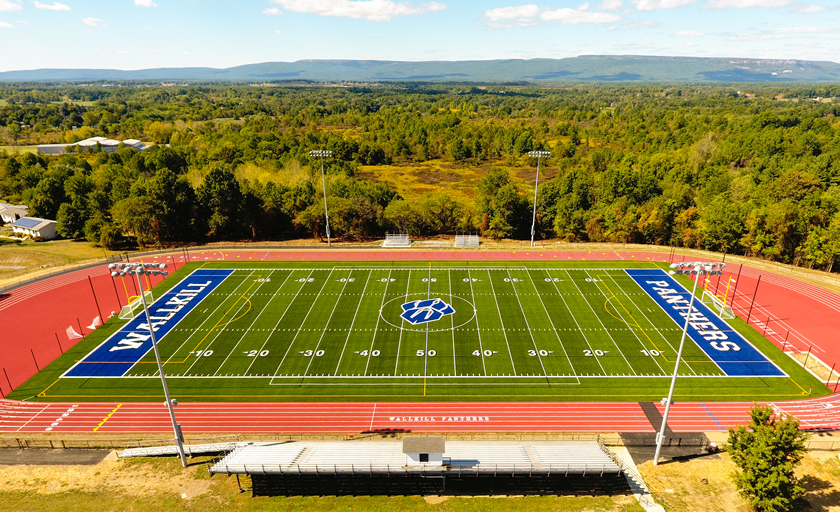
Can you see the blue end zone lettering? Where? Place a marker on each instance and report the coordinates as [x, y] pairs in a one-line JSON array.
[[725, 346], [116, 355]]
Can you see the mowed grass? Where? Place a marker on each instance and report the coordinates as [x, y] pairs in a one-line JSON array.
[[42, 257], [333, 331]]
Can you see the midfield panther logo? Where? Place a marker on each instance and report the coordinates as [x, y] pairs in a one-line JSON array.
[[424, 311]]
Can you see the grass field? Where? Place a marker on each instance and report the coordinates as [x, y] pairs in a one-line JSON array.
[[486, 331]]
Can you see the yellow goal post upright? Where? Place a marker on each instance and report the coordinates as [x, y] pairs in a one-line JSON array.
[[135, 305]]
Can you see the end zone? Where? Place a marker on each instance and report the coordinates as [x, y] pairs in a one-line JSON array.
[[733, 354], [122, 350]]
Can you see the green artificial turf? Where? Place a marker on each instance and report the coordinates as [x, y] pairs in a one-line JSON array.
[[308, 331]]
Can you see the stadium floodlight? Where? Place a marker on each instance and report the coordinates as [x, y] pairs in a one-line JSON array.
[[323, 153], [697, 268], [153, 269], [538, 155]]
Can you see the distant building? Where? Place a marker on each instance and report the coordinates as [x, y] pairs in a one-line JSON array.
[[10, 213], [107, 145], [35, 227]]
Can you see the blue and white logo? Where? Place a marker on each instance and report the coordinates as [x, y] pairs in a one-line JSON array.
[[424, 311]]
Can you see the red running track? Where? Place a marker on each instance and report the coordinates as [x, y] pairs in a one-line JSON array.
[[801, 316], [817, 414]]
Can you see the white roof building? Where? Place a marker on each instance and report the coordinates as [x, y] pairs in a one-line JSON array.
[[11, 213], [35, 227], [107, 145]]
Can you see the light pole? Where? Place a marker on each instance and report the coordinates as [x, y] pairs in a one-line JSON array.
[[139, 269], [538, 155], [697, 268], [321, 153]]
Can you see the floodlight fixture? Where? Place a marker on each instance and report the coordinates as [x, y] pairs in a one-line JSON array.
[[139, 269], [685, 268], [324, 153], [538, 155]]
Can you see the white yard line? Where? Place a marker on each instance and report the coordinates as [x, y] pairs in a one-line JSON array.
[[399, 342], [477, 327], [326, 325], [376, 329], [353, 322], [502, 321], [220, 330], [273, 329], [527, 324], [426, 352], [574, 318], [553, 328], [452, 319], [206, 319], [247, 331], [612, 278], [602, 323], [317, 295]]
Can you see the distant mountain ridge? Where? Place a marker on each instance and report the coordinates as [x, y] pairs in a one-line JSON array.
[[587, 68]]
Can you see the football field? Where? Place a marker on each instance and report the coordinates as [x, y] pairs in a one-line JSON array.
[[356, 330]]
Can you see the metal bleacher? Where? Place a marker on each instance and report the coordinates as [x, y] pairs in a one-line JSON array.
[[396, 240], [469, 468], [575, 457]]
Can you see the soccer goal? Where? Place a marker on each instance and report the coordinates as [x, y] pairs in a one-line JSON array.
[[396, 240], [717, 305], [134, 306], [469, 241]]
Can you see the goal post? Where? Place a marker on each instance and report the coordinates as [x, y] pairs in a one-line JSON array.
[[717, 305], [134, 305]]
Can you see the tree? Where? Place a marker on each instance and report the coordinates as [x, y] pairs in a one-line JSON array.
[[767, 454], [221, 197]]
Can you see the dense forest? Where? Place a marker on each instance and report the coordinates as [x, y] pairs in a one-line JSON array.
[[748, 169]]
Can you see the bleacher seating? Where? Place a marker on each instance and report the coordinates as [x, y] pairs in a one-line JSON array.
[[396, 240]]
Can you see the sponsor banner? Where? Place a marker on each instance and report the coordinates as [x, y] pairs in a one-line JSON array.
[[725, 346], [122, 350]]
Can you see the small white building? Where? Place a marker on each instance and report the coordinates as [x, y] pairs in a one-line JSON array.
[[107, 145], [35, 227], [424, 451], [10, 213]]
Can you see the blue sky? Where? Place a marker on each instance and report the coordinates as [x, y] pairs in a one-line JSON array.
[[137, 34]]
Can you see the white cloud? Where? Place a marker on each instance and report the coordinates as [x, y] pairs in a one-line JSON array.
[[573, 17], [144, 3], [584, 7], [655, 5], [372, 10], [689, 33], [54, 7], [10, 5], [642, 23], [278, 31], [810, 9], [744, 4], [272, 11], [761, 37], [802, 30], [93, 22], [609, 5], [4, 24], [511, 13]]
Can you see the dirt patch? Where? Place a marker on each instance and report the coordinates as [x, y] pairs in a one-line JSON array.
[[701, 485], [118, 477]]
